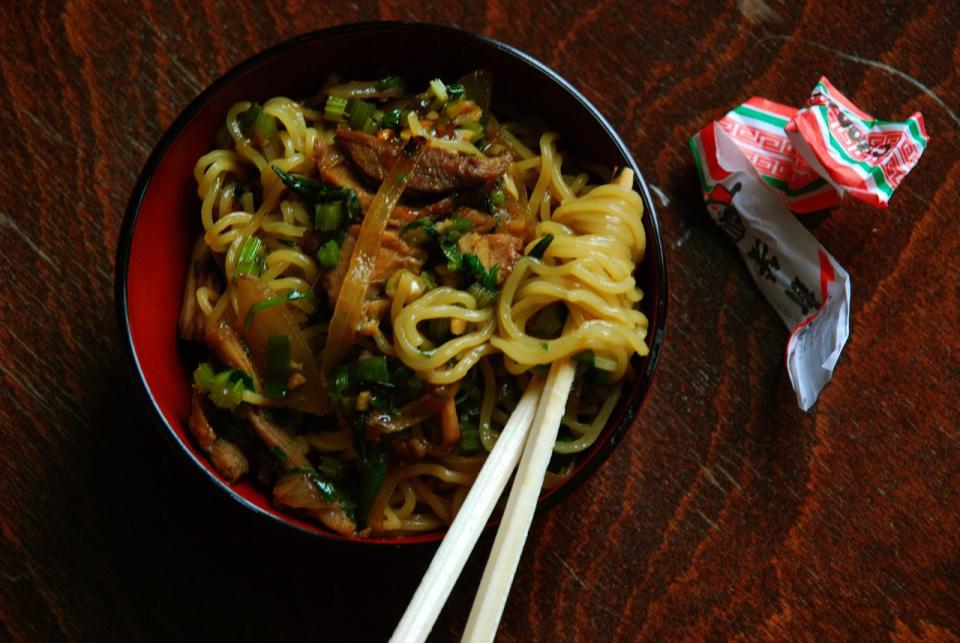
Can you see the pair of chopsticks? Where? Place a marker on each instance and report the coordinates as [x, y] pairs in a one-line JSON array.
[[542, 406]]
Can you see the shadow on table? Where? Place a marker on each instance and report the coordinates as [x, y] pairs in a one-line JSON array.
[[185, 563]]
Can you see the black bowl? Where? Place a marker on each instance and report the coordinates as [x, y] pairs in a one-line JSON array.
[[162, 216]]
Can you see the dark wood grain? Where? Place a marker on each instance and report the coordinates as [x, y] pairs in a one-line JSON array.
[[726, 513]]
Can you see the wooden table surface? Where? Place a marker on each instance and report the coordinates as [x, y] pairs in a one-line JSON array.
[[727, 512]]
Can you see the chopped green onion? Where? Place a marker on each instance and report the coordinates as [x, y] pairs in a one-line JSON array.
[[545, 346], [418, 231], [429, 279], [439, 90], [469, 438], [457, 228], [203, 376], [489, 280], [340, 381], [477, 128], [455, 92], [252, 257], [605, 363], [329, 254], [369, 126], [391, 119], [293, 295], [333, 492], [389, 83], [541, 247], [328, 216], [358, 112], [452, 252], [227, 387], [247, 119], [335, 109], [281, 455], [373, 369], [495, 199], [483, 295], [472, 264], [278, 366], [598, 362]]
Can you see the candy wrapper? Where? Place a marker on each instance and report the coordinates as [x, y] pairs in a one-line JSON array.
[[764, 159]]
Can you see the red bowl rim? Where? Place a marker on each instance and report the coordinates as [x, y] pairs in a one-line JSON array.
[[548, 499]]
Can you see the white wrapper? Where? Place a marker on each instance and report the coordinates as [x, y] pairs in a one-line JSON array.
[[807, 287]]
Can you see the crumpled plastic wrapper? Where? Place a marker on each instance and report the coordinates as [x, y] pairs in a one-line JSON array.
[[764, 159]]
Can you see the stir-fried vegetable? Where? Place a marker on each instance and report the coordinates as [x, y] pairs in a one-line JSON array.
[[225, 389], [278, 366], [353, 291], [314, 192], [278, 320], [389, 87], [293, 295], [329, 254], [541, 246], [252, 257], [258, 124]]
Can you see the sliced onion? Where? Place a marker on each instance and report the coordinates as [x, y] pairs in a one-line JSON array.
[[278, 320]]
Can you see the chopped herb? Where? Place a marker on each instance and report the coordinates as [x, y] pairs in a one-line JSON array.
[[469, 438], [495, 199], [452, 252], [226, 388], [252, 257], [541, 247], [328, 216], [483, 295], [545, 346], [439, 91], [418, 231], [489, 280], [373, 369], [455, 92], [329, 254], [258, 124], [359, 111], [456, 229], [293, 295], [203, 376], [389, 83], [335, 109], [391, 119], [314, 192]]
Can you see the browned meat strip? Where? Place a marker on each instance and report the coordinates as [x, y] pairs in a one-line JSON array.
[[227, 458], [342, 176], [438, 171], [224, 342], [500, 249]]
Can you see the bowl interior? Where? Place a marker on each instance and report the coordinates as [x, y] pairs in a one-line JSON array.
[[163, 216]]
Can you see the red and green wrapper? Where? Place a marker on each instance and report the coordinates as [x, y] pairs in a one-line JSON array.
[[764, 159]]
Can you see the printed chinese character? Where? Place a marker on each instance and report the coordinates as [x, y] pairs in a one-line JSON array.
[[802, 296], [720, 201], [766, 261]]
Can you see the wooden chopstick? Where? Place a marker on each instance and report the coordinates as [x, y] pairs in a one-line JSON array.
[[515, 525], [460, 539]]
